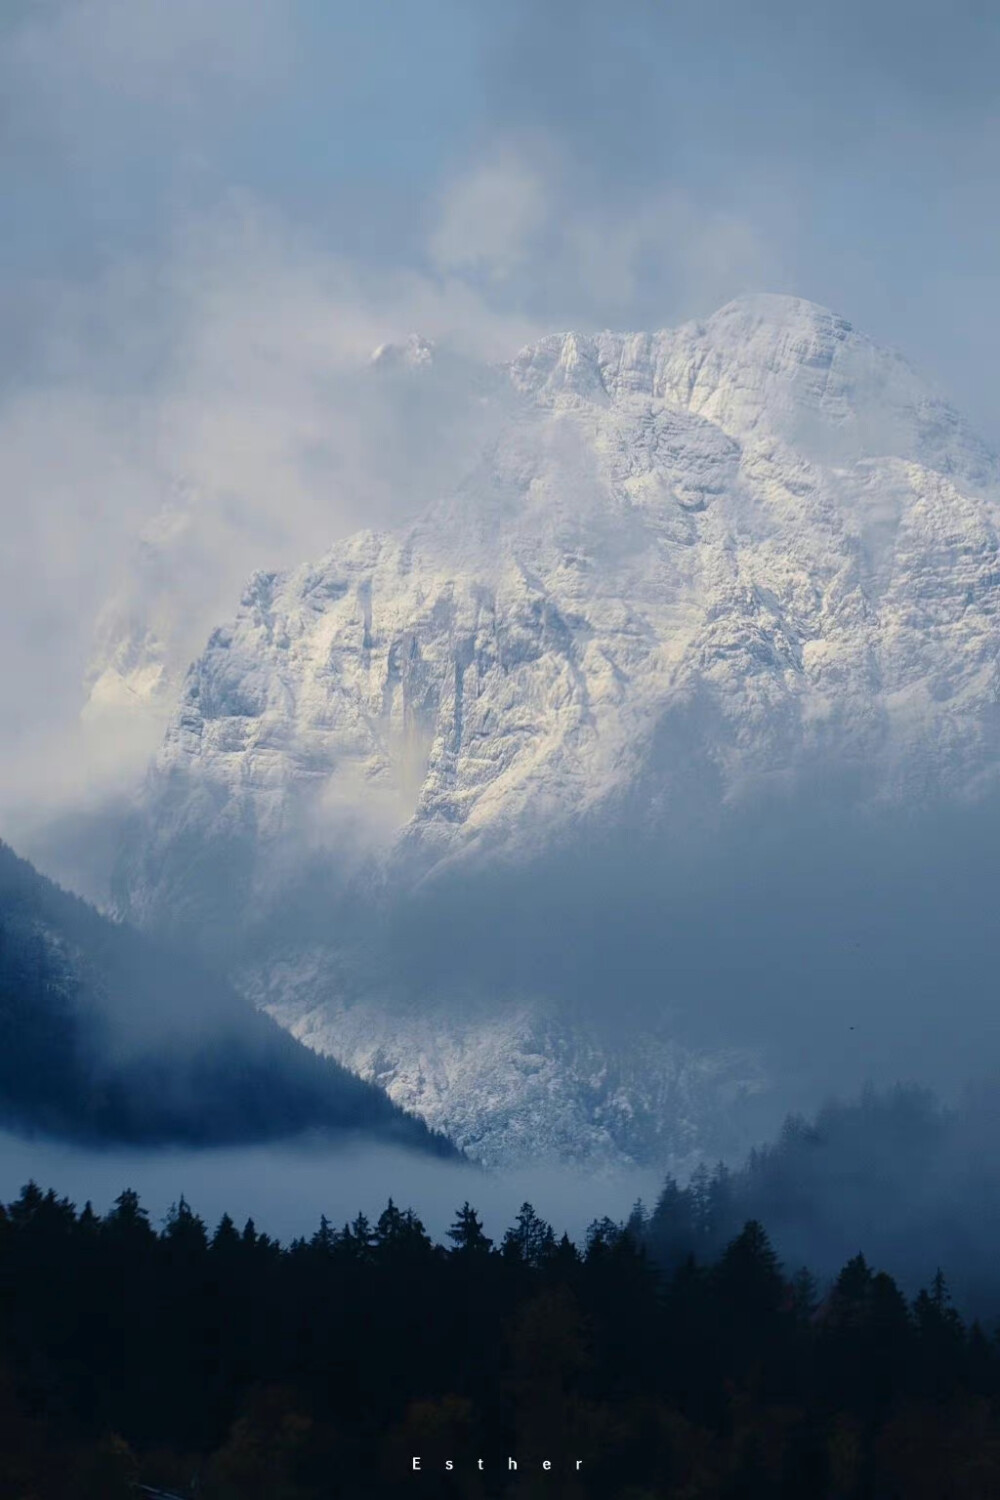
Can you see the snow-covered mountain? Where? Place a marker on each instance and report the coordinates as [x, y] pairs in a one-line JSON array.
[[697, 567]]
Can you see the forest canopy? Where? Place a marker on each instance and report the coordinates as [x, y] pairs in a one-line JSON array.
[[221, 1363]]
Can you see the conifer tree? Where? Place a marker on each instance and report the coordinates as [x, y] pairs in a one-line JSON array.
[[226, 1239], [357, 1241], [467, 1234], [324, 1241], [183, 1231], [529, 1240]]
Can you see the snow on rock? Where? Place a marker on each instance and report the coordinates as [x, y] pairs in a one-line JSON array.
[[764, 515]]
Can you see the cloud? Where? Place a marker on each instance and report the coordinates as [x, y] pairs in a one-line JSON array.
[[192, 417], [490, 216], [65, 57], [516, 223]]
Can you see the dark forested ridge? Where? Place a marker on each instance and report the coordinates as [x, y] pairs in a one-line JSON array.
[[106, 1035], [224, 1366]]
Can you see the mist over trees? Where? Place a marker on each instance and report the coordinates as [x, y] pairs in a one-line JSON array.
[[107, 1036], [913, 1181]]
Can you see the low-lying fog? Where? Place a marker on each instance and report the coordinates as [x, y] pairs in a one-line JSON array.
[[285, 1189], [910, 1182]]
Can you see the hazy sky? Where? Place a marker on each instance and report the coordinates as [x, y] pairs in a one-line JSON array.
[[577, 162], [214, 209]]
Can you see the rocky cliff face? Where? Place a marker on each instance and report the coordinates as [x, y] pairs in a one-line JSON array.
[[697, 566]]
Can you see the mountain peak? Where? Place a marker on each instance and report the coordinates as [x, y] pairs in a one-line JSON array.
[[778, 309], [762, 366], [742, 554]]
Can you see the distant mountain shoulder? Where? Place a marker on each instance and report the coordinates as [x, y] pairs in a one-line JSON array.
[[106, 1035]]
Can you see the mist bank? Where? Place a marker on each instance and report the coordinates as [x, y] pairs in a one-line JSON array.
[[895, 1174], [912, 1183], [286, 1188], [835, 941], [850, 939]]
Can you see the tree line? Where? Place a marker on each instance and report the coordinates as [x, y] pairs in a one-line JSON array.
[[227, 1366]]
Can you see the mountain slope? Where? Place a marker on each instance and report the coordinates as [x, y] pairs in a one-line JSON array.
[[106, 1035], [699, 569]]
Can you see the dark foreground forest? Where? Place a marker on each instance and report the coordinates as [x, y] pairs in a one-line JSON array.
[[225, 1366]]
